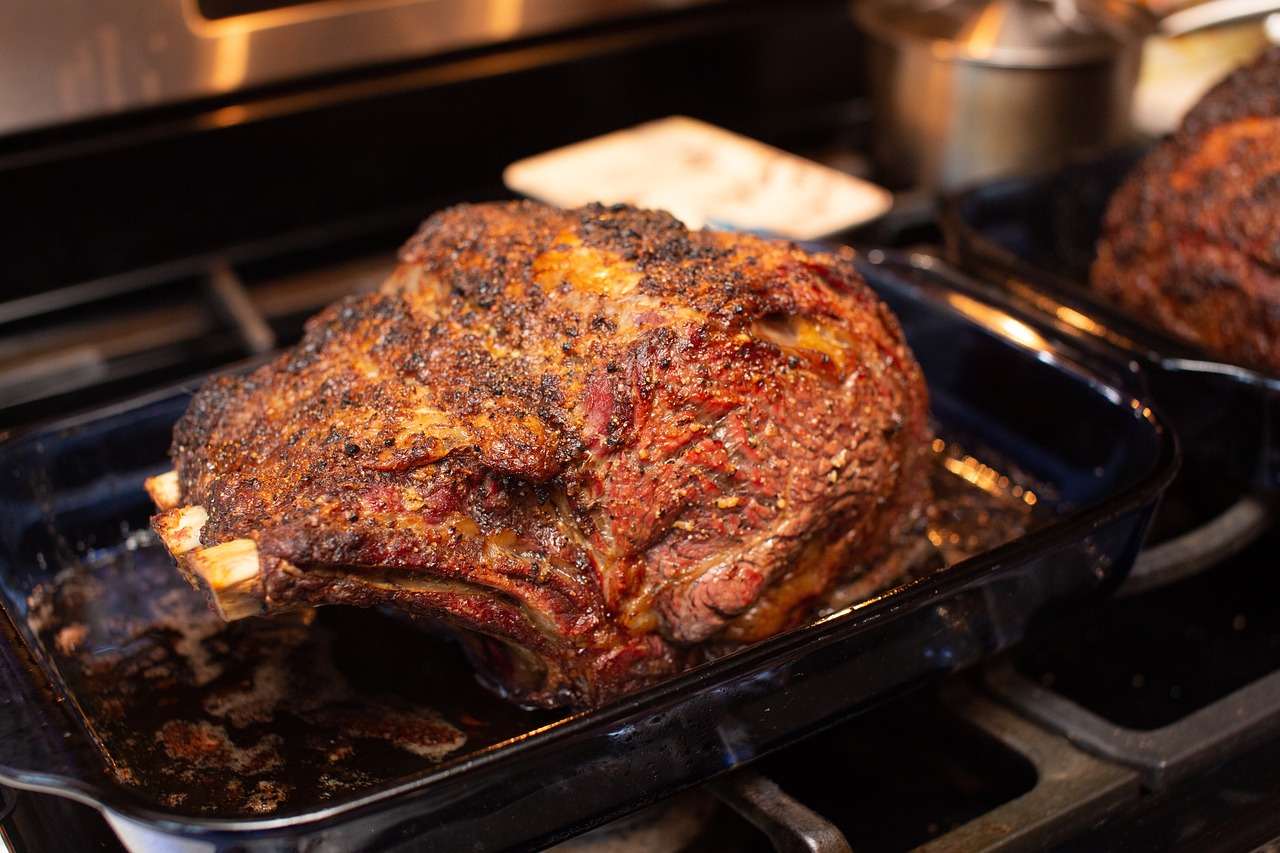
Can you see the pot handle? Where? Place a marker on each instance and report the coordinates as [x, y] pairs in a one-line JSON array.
[[1213, 13]]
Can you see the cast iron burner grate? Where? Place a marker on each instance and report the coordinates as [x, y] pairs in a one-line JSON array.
[[1149, 723], [1149, 661]]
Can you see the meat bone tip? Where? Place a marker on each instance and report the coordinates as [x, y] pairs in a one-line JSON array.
[[226, 573]]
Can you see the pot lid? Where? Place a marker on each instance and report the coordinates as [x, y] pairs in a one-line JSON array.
[[1025, 33]]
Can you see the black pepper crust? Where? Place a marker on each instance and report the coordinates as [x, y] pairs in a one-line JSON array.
[[600, 443], [1190, 242]]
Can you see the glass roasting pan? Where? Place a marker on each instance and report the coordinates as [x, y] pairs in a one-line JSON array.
[[1035, 237], [71, 503]]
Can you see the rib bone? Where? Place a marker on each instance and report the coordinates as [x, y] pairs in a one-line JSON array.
[[164, 490], [228, 575], [179, 528]]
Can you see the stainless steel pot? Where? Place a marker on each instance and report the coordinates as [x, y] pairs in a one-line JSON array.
[[967, 90]]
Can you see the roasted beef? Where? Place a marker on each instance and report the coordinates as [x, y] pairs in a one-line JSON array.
[[599, 444], [1191, 240]]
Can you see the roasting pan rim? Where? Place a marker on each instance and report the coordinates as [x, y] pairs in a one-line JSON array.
[[1038, 260], [1137, 497]]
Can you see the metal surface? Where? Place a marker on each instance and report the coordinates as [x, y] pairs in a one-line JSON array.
[[1000, 88], [68, 60], [969, 90], [1073, 789], [790, 826], [1010, 33], [1201, 547], [1165, 755], [1209, 14]]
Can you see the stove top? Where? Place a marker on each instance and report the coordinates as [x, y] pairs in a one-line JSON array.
[[1149, 723]]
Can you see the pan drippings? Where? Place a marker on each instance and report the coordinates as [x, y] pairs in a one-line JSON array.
[[281, 714], [255, 716]]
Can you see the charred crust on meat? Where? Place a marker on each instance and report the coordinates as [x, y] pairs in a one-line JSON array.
[[1188, 240], [568, 434]]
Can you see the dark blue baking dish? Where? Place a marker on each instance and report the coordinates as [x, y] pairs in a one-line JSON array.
[[1035, 236], [1020, 404]]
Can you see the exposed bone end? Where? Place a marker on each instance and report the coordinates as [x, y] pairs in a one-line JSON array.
[[164, 490], [179, 528], [228, 575]]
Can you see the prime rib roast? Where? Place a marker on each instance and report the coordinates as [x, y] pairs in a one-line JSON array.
[[1191, 240], [599, 446]]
